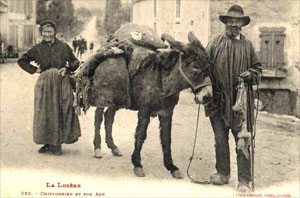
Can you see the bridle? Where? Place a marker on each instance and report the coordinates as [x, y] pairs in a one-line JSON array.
[[192, 85]]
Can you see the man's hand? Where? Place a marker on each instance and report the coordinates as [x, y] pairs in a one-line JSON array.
[[62, 71], [204, 95], [246, 75], [116, 50]]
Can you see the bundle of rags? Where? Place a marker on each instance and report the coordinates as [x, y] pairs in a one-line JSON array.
[[104, 79], [140, 35], [145, 40]]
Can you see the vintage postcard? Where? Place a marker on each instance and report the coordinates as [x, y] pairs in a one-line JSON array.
[[149, 98]]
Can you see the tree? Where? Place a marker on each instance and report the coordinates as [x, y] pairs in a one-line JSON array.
[[111, 21], [83, 14], [115, 15], [62, 12]]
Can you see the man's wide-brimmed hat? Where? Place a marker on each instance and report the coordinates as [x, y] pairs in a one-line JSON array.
[[48, 22], [235, 11]]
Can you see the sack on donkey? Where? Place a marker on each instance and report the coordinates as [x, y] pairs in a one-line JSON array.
[[140, 35]]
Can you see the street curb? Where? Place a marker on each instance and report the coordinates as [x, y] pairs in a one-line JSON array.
[[10, 60], [283, 122]]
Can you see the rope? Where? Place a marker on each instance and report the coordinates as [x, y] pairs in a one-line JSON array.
[[191, 158], [186, 78], [252, 148]]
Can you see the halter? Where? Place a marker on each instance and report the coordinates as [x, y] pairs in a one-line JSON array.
[[193, 86]]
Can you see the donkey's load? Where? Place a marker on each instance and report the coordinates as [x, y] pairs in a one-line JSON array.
[[140, 35]]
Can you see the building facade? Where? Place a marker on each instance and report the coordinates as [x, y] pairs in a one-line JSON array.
[[18, 23], [3, 14], [274, 31], [175, 17]]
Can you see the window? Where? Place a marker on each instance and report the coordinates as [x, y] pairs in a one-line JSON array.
[[272, 47], [28, 35], [28, 6], [13, 29], [12, 6], [22, 2], [18, 5], [155, 27], [178, 8], [154, 8]]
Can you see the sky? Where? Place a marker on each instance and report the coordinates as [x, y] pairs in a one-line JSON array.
[[92, 3]]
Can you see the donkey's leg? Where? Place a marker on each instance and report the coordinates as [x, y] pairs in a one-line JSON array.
[[97, 138], [140, 136], [165, 138], [109, 116]]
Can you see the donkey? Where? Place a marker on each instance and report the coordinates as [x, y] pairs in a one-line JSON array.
[[155, 91]]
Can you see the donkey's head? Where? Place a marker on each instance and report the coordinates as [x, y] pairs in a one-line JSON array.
[[193, 62]]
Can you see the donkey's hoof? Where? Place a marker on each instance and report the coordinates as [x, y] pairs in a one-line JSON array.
[[138, 171], [116, 152], [177, 174], [98, 153]]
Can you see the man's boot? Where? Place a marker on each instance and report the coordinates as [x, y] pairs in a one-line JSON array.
[[219, 179], [243, 187]]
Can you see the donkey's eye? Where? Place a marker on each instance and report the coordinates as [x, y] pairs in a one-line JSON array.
[[195, 67]]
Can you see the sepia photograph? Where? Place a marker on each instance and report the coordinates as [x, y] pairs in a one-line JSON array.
[[149, 98]]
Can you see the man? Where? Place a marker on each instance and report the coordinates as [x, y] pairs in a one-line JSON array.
[[232, 56], [80, 47], [84, 45], [91, 46], [74, 44]]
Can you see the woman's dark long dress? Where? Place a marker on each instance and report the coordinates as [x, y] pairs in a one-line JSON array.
[[55, 121]]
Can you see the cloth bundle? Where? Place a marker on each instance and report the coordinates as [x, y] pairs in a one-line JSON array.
[[104, 79], [140, 35]]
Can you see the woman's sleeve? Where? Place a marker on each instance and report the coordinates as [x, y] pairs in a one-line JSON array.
[[71, 58], [24, 61]]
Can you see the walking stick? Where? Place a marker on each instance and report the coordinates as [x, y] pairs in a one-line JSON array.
[[250, 125]]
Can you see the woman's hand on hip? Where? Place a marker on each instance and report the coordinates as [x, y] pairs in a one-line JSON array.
[[62, 71], [38, 70]]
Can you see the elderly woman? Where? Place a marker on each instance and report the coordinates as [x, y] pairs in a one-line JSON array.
[[54, 122]]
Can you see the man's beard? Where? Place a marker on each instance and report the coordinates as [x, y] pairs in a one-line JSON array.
[[233, 31]]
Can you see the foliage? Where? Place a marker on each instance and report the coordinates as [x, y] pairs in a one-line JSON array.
[[115, 15], [62, 12], [83, 14], [100, 28]]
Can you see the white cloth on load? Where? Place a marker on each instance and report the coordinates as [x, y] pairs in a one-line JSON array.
[[140, 35]]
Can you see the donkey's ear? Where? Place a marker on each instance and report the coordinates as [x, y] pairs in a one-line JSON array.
[[173, 44], [194, 40]]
